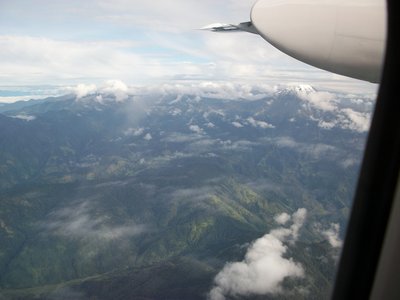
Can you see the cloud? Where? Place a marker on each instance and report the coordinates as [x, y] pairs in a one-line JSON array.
[[176, 137], [208, 89], [346, 118], [356, 120], [193, 194], [24, 117], [346, 111], [134, 131], [190, 92], [135, 41], [332, 235], [240, 145], [320, 100], [148, 137], [327, 124], [282, 219], [317, 150], [196, 129], [158, 161], [213, 89], [117, 88], [237, 124], [263, 185], [203, 145], [33, 60], [80, 222], [264, 267], [82, 90], [260, 124], [349, 162], [192, 13]]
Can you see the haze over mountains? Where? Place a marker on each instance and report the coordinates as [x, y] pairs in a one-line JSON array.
[[180, 192]]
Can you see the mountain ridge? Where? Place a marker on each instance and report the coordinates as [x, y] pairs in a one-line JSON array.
[[91, 187]]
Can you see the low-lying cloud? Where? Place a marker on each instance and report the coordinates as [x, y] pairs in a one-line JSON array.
[[321, 100], [24, 117], [194, 194], [282, 218], [332, 235], [339, 116], [316, 150], [260, 124], [264, 267], [115, 88], [80, 221]]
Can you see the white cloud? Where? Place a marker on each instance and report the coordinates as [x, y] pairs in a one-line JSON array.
[[315, 150], [349, 113], [349, 162], [240, 145], [340, 115], [327, 125], [332, 235], [80, 221], [134, 131], [346, 118], [24, 117], [164, 16], [356, 120], [320, 100], [148, 137], [196, 129], [12, 99], [237, 124], [177, 137], [209, 89], [82, 90], [203, 145], [286, 141], [139, 41], [117, 88], [232, 91], [176, 112], [264, 267], [32, 60], [260, 124], [193, 194], [282, 219]]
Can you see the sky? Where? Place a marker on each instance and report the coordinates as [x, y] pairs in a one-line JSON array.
[[47, 45]]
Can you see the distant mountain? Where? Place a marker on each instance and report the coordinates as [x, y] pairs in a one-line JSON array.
[[147, 196]]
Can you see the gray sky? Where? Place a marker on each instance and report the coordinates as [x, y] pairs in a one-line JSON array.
[[65, 43]]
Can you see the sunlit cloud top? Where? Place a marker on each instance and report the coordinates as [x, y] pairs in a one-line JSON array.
[[47, 42]]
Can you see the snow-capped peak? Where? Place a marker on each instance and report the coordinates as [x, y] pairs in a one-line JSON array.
[[298, 89]]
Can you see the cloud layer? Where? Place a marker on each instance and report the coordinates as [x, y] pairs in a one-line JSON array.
[[328, 103], [64, 43], [330, 110], [264, 267], [80, 222]]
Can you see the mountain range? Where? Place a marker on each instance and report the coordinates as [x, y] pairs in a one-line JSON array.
[[154, 195]]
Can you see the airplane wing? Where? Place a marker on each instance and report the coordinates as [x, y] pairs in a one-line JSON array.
[[219, 27], [343, 37]]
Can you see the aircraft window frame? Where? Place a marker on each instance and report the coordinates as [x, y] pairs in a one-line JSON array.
[[377, 182]]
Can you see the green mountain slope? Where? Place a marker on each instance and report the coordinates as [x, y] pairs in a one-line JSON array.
[[149, 200]]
